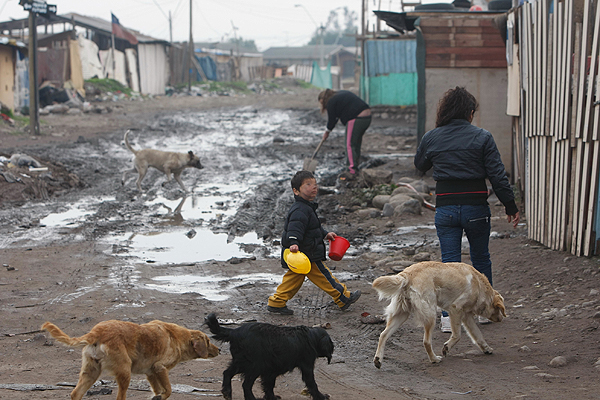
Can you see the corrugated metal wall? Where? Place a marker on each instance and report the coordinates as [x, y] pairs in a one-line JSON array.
[[391, 72]]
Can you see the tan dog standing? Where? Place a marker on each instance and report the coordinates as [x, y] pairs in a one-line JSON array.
[[457, 288], [121, 348], [168, 162]]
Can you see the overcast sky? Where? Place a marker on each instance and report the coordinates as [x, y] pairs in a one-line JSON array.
[[268, 22]]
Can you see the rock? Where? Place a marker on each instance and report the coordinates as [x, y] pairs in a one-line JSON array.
[[422, 257], [531, 368], [366, 212], [278, 139], [421, 186], [597, 315], [524, 349], [375, 177], [545, 375], [390, 224], [191, 233], [388, 210], [558, 361], [401, 190], [380, 200], [399, 199], [409, 251], [593, 292], [410, 207], [406, 179]]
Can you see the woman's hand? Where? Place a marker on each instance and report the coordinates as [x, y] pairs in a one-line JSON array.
[[515, 218], [294, 248], [325, 135]]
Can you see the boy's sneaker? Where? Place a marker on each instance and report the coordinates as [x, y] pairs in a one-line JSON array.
[[280, 310], [354, 296], [483, 320], [445, 325]]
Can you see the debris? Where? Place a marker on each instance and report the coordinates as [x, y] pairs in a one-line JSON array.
[[367, 318], [324, 325], [23, 160]]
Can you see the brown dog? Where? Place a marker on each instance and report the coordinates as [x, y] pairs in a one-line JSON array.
[[167, 162], [121, 348], [457, 288]]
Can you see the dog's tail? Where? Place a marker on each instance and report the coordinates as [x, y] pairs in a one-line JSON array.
[[131, 149], [63, 337], [219, 333], [389, 286]]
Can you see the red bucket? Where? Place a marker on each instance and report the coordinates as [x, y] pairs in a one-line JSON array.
[[338, 247]]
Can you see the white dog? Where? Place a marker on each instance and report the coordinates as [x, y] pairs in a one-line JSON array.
[[457, 288], [167, 162]]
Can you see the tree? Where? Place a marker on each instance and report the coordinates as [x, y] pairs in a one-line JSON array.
[[335, 31]]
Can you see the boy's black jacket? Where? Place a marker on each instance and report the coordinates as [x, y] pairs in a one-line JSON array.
[[302, 227]]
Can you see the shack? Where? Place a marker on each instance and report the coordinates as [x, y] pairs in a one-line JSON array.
[[14, 80]]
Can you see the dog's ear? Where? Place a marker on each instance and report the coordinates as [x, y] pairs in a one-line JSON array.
[[201, 346], [191, 154], [498, 303]]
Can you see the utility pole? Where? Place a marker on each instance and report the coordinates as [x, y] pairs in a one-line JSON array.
[[191, 53], [170, 29], [34, 123]]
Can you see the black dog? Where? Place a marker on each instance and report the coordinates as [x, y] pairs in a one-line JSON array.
[[265, 350]]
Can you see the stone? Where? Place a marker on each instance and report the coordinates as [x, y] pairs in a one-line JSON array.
[[399, 199], [558, 361], [422, 257], [421, 186], [388, 210], [524, 349], [365, 213], [410, 207], [374, 177], [380, 200]]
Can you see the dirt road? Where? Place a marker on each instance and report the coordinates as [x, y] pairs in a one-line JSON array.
[[86, 254]]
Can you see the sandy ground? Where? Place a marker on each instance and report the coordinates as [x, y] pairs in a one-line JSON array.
[[75, 281]]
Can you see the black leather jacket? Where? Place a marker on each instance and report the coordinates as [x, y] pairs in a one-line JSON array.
[[303, 228], [462, 156]]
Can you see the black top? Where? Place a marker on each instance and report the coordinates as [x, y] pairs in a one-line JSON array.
[[303, 228], [463, 156], [344, 105]]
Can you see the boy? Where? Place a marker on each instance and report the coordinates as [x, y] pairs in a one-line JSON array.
[[303, 232]]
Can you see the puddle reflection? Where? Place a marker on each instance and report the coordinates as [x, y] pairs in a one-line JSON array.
[[214, 288], [187, 247]]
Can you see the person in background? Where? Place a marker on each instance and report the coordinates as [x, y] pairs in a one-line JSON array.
[[355, 114], [463, 156], [303, 232]]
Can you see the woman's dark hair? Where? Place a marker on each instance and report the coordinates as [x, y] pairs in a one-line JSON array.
[[300, 177], [457, 103], [324, 98]]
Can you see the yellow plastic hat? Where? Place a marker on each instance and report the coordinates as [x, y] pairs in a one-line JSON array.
[[298, 262]]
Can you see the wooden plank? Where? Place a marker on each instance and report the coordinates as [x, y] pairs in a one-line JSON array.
[[583, 194], [496, 38], [575, 108], [568, 57], [589, 232], [576, 190], [428, 30], [586, 134], [455, 42], [480, 52], [582, 68], [555, 71], [452, 62], [458, 22], [565, 197], [528, 59], [543, 66], [552, 199], [562, 75]]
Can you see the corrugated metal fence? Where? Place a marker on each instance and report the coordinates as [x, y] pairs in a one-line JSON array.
[[391, 72]]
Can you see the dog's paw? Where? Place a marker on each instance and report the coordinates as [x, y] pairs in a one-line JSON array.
[[436, 359], [445, 350], [377, 362], [488, 350]]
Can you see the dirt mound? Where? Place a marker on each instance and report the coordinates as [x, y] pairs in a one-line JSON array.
[[18, 184]]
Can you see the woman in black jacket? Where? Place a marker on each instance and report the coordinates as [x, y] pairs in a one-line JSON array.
[[355, 114], [463, 156]]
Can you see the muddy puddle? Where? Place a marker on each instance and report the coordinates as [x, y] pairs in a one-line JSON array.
[[235, 206]]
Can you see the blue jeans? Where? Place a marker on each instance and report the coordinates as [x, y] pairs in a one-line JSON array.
[[451, 221]]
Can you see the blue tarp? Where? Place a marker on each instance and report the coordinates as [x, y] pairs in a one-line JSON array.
[[321, 77], [209, 67]]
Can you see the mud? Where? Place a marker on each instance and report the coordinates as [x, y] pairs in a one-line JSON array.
[[93, 249]]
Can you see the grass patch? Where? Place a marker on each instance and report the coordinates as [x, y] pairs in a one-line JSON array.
[[304, 84], [109, 85]]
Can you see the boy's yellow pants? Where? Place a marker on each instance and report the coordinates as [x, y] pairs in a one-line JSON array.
[[320, 275]]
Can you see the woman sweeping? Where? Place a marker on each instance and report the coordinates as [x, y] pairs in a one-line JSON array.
[[355, 114]]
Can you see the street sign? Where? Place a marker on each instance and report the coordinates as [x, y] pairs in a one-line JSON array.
[[39, 7]]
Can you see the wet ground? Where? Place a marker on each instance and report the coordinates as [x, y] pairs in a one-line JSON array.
[[104, 251]]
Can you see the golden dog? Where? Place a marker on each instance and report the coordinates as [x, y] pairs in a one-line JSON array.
[[122, 348], [457, 288], [167, 162]]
